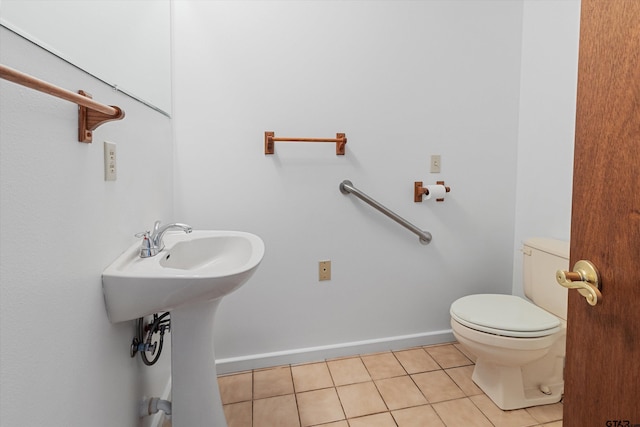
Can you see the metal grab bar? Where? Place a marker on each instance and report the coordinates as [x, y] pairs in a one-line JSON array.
[[347, 187]]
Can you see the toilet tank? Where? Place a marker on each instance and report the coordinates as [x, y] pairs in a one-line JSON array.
[[542, 257]]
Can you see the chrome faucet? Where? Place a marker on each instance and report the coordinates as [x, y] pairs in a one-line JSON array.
[[152, 242]]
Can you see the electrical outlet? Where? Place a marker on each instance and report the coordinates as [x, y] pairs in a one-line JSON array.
[[110, 168], [435, 163], [324, 270]]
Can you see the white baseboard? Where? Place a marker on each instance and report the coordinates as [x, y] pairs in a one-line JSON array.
[[315, 354]]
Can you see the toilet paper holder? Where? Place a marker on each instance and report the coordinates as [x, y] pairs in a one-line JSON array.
[[419, 191]]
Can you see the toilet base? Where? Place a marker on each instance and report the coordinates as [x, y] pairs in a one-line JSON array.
[[513, 372], [506, 387]]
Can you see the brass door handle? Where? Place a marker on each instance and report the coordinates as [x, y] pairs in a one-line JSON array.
[[585, 278]]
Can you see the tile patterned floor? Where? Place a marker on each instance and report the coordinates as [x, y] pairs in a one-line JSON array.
[[418, 387]]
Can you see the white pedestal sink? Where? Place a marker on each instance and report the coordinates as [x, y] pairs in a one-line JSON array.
[[188, 278]]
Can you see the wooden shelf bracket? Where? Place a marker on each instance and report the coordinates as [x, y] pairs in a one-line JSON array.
[[89, 120]]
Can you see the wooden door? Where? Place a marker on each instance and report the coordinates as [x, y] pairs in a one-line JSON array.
[[602, 375]]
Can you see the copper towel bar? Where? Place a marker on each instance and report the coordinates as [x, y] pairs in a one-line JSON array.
[[270, 138], [91, 114]]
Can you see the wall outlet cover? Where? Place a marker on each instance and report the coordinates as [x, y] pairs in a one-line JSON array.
[[110, 165], [324, 270]]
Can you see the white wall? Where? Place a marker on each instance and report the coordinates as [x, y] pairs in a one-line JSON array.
[[403, 80], [548, 86], [62, 362]]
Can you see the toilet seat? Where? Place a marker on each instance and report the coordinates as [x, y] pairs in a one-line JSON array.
[[505, 315]]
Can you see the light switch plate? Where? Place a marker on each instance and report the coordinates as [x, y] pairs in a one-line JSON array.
[[436, 163]]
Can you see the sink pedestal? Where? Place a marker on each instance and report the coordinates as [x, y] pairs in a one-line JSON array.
[[188, 278], [195, 394]]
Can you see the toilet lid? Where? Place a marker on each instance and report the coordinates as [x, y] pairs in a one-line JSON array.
[[506, 315]]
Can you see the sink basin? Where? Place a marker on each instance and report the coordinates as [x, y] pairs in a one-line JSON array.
[[188, 278], [202, 265]]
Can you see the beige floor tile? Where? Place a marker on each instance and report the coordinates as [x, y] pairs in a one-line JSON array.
[[313, 376], [278, 411], [236, 388], [546, 413], [319, 406], [383, 365], [448, 356], [416, 360], [500, 418], [336, 424], [418, 416], [437, 386], [462, 377], [461, 412], [377, 420], [348, 371], [239, 414], [466, 352], [360, 399], [400, 392], [272, 382], [373, 391]]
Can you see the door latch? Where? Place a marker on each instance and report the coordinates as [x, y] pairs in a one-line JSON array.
[[585, 278]]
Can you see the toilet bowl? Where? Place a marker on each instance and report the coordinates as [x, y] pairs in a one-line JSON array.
[[519, 345]]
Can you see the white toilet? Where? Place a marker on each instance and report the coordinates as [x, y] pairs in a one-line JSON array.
[[519, 346]]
